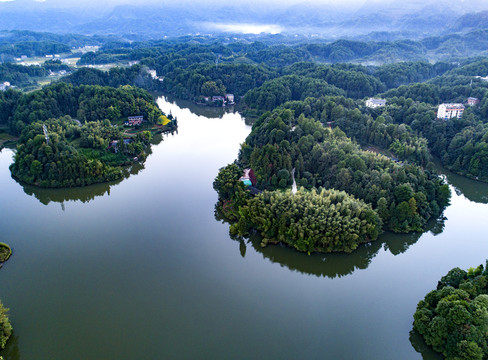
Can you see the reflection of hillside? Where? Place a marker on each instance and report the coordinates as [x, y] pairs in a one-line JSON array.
[[476, 191], [335, 264], [11, 351], [85, 193], [421, 347], [326, 265], [200, 110]]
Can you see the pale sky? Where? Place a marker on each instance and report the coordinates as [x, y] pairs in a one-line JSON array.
[[465, 5]]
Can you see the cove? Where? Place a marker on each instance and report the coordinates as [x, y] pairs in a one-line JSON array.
[[142, 269]]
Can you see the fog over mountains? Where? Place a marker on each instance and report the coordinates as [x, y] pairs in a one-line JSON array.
[[329, 19]]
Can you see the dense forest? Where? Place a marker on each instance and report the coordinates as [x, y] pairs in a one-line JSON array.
[[73, 136], [279, 51], [281, 146], [309, 221], [405, 129], [85, 103], [5, 326], [452, 318]]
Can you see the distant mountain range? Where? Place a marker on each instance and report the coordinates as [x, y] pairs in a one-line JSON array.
[[413, 19]]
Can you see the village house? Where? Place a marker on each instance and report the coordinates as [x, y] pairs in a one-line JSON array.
[[152, 73], [4, 86], [374, 103], [482, 78], [449, 111], [218, 98], [248, 178], [134, 120], [472, 101], [229, 98], [114, 144]]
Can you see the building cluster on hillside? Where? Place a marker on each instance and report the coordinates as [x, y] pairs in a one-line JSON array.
[[374, 103]]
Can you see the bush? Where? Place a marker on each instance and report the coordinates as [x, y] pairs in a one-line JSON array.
[[5, 252]]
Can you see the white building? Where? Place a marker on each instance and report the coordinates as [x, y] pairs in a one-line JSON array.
[[374, 103], [229, 98], [4, 86], [449, 111]]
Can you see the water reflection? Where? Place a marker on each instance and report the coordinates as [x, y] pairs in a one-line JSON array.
[[334, 264], [11, 351], [204, 111], [86, 193], [83, 194], [421, 347], [476, 191]]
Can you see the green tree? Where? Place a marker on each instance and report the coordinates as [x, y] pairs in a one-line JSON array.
[[5, 326]]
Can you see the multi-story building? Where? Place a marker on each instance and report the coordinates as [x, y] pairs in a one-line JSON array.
[[449, 111]]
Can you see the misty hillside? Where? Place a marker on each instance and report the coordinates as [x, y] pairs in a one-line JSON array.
[[412, 19]]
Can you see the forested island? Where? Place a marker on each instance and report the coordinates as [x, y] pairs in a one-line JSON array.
[[75, 135], [453, 318], [376, 192]]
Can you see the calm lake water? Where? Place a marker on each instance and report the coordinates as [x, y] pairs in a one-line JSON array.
[[141, 269]]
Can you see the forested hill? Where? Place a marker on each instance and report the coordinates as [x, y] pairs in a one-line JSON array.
[[407, 127], [377, 192], [85, 103], [74, 135]]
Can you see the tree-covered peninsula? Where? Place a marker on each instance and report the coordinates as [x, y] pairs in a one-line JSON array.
[[372, 192], [5, 326], [75, 135], [453, 319]]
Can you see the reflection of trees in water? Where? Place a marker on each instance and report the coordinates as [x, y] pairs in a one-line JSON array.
[[11, 351], [85, 193], [473, 190], [421, 347], [211, 112], [333, 265]]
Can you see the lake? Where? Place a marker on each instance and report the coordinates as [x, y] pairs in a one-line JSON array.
[[141, 269]]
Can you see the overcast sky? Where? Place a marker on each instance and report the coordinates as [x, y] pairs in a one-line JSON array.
[[467, 5], [89, 3]]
